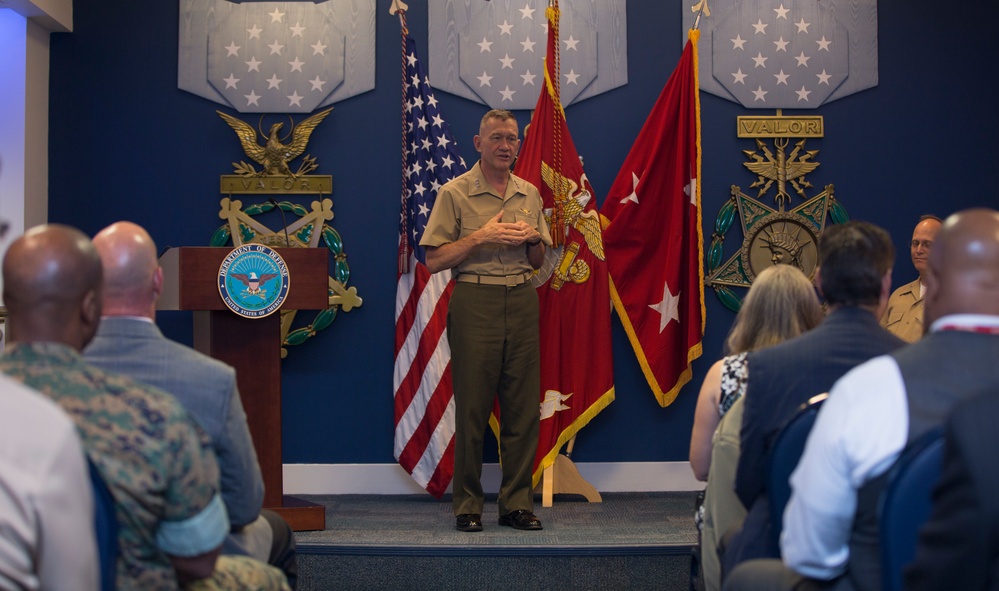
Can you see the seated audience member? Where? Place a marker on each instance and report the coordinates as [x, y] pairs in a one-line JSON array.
[[874, 411], [959, 545], [780, 305], [904, 315], [47, 538], [854, 276], [157, 463], [128, 342]]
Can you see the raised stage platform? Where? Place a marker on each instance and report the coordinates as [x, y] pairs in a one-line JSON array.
[[408, 542]]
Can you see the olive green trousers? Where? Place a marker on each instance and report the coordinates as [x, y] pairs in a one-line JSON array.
[[495, 354]]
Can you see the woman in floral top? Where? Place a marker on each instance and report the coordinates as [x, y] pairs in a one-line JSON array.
[[780, 305]]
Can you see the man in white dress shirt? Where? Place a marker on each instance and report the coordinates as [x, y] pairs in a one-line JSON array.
[[874, 411], [47, 538]]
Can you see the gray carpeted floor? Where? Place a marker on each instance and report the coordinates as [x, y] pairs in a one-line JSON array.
[[628, 541], [622, 521]]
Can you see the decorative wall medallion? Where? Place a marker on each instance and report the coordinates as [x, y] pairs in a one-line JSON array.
[[778, 234]]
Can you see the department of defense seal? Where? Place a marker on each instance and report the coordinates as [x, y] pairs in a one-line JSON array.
[[253, 281]]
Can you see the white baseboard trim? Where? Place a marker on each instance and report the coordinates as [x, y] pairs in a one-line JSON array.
[[391, 479]]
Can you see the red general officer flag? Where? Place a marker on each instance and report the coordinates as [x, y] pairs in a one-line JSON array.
[[652, 235], [577, 379]]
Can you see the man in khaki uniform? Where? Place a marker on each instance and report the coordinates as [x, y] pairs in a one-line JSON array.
[[488, 225], [904, 315]]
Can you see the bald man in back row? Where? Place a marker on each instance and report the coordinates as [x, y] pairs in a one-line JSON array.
[[129, 342], [156, 461]]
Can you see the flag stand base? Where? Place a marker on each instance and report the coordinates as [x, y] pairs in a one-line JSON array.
[[563, 477]]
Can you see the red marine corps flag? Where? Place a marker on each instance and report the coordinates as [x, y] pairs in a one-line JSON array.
[[652, 235], [577, 379]]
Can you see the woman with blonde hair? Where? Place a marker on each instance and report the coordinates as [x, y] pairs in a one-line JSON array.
[[780, 305]]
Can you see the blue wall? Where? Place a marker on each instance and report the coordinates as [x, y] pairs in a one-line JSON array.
[[127, 144]]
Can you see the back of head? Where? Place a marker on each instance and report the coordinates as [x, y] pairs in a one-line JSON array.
[[780, 305], [853, 260], [963, 273], [131, 270], [52, 286]]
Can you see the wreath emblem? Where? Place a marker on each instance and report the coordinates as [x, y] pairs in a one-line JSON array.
[[308, 231], [771, 236]]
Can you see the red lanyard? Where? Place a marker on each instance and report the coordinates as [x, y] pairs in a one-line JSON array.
[[972, 328]]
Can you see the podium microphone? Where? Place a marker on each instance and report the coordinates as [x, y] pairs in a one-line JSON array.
[[273, 201]]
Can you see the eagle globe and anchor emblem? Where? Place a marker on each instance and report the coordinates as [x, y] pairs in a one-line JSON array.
[[566, 262], [253, 281]]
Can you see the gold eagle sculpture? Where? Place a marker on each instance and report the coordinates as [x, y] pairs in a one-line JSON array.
[[573, 203], [274, 155], [783, 169]]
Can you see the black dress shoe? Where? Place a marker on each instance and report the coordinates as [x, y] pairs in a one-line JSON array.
[[468, 522], [521, 519]]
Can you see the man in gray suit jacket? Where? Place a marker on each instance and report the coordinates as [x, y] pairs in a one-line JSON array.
[[129, 342]]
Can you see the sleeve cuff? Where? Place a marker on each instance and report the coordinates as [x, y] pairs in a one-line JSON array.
[[196, 535]]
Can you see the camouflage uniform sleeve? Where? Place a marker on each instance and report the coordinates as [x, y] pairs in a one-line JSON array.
[[194, 515]]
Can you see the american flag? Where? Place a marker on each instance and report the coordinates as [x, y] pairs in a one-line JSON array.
[[424, 405]]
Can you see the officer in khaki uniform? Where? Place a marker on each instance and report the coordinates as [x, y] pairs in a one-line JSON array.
[[488, 225], [904, 315]]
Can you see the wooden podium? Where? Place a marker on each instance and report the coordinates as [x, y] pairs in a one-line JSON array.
[[253, 347]]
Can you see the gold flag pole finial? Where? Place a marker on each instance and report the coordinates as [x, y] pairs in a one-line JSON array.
[[702, 8], [398, 5]]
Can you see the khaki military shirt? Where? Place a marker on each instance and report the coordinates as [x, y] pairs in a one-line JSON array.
[[467, 202], [903, 317]]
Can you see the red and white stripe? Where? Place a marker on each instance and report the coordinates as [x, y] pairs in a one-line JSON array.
[[424, 403]]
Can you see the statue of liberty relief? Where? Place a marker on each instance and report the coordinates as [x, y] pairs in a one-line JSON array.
[[780, 238], [784, 245]]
